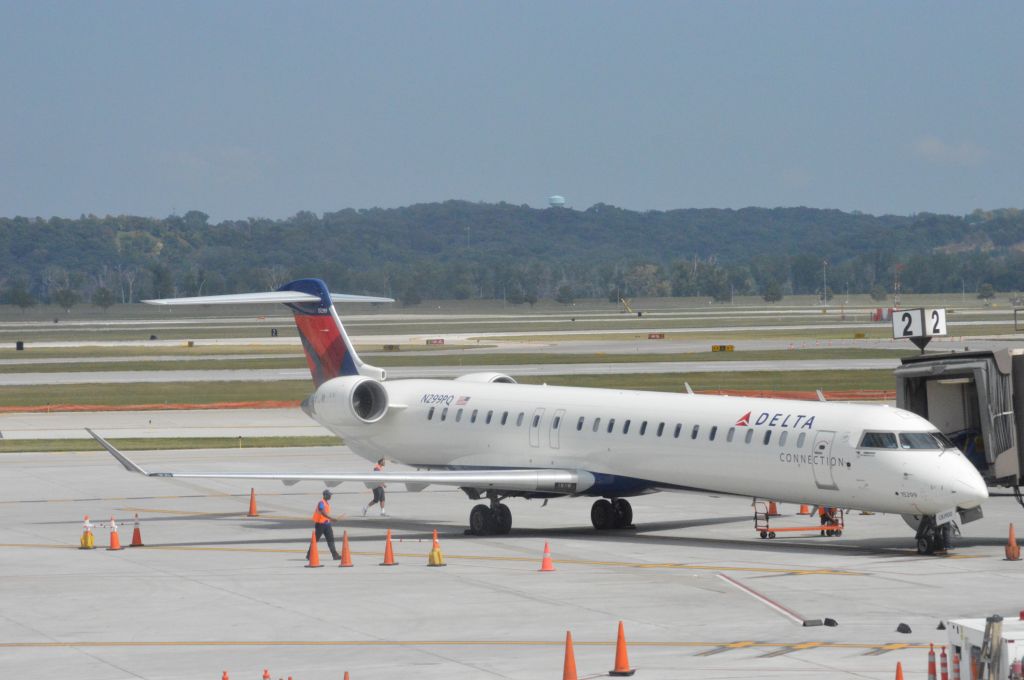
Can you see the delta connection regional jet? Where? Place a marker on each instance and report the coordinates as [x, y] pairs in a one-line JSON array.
[[495, 439]]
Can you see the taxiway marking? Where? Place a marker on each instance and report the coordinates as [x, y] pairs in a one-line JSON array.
[[484, 558], [741, 644]]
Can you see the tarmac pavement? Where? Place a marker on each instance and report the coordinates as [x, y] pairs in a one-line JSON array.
[[214, 590]]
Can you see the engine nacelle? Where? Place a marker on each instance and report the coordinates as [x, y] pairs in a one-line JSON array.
[[488, 377], [349, 400]]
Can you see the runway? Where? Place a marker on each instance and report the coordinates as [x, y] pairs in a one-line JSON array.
[[263, 422], [214, 590]]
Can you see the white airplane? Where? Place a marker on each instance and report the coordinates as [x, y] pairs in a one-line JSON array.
[[496, 439]]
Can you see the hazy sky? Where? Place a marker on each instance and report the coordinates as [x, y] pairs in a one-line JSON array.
[[246, 109]]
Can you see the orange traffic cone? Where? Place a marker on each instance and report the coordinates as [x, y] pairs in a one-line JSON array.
[[224, 676], [1012, 549], [546, 564], [266, 674], [943, 664], [314, 553], [932, 672], [115, 540], [435, 558], [346, 556], [621, 658], [569, 668], [956, 666], [136, 534], [346, 675], [804, 509], [389, 556], [252, 503], [773, 509], [899, 671]]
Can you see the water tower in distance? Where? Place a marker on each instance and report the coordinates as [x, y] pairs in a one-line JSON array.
[[556, 201]]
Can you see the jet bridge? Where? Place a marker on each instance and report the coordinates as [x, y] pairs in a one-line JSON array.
[[977, 400]]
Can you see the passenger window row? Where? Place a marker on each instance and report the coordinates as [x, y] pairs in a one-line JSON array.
[[443, 416], [877, 440]]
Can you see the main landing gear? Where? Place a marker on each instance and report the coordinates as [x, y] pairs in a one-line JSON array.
[[615, 514], [932, 538], [490, 521]]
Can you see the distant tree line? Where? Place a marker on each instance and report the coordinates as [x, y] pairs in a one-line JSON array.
[[461, 250]]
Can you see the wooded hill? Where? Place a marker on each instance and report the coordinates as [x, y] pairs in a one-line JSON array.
[[458, 249]]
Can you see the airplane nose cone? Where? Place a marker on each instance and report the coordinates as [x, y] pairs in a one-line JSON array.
[[970, 488]]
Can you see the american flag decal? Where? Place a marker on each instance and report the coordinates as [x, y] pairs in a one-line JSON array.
[[462, 401]]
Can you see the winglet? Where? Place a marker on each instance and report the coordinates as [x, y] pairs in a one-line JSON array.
[[124, 460]]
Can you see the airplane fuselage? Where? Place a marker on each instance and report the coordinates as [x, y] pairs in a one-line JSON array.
[[636, 442]]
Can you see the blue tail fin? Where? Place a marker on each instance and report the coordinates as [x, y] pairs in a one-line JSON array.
[[329, 352]]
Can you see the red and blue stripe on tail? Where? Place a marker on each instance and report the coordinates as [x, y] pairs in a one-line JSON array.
[[329, 352]]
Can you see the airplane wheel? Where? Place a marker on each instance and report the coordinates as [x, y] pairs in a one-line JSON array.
[[602, 515], [924, 546], [480, 520], [944, 539], [502, 519], [623, 513]]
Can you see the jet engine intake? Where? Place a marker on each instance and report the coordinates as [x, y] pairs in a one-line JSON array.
[[349, 400]]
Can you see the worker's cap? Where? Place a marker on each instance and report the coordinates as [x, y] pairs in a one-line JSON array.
[[327, 494]]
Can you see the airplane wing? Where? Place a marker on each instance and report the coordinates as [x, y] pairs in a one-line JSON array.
[[546, 481]]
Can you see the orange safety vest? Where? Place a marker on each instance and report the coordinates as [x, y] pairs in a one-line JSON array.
[[321, 517]]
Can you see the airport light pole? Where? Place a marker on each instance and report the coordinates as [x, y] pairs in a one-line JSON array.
[[824, 283]]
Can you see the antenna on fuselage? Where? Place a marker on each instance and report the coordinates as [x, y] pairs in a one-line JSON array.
[[821, 395], [689, 390]]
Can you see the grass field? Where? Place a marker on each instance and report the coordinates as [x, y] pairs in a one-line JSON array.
[[796, 334], [399, 326], [162, 443], [156, 394], [754, 380], [228, 351], [468, 360]]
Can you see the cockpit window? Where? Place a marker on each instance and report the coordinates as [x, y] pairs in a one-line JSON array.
[[944, 440], [918, 440], [878, 440]]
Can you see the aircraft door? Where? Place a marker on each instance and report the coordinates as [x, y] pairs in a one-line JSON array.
[[535, 421], [823, 477], [556, 427]]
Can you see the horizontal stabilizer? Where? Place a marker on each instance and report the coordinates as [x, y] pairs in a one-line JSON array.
[[269, 297]]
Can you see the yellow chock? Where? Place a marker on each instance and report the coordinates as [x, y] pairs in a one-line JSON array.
[[435, 558], [88, 541]]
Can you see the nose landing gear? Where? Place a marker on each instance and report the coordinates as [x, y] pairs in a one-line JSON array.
[[933, 538], [616, 514]]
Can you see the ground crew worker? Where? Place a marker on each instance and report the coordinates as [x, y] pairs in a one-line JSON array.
[[322, 521], [378, 492], [827, 515]]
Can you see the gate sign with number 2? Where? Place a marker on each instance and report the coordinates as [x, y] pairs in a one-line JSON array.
[[918, 323]]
